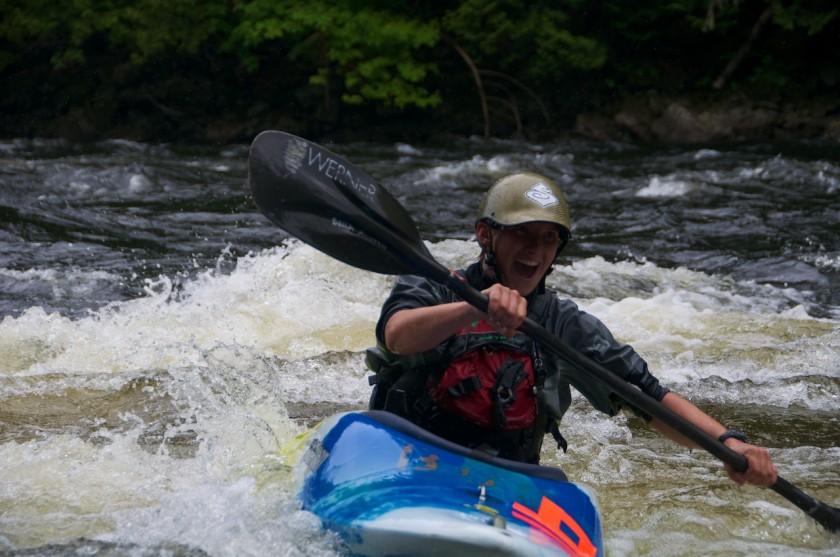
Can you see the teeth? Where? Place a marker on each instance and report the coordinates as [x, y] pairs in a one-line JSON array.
[[528, 263]]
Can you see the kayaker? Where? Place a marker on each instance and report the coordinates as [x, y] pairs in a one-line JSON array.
[[470, 377]]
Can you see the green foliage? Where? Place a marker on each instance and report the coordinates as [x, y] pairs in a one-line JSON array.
[[27, 24], [378, 53], [774, 54], [140, 30], [398, 53], [532, 40], [23, 20], [769, 74], [801, 15]]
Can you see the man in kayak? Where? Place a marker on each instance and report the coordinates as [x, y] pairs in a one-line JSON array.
[[472, 378]]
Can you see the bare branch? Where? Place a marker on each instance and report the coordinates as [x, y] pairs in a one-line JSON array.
[[730, 68], [525, 88], [476, 75]]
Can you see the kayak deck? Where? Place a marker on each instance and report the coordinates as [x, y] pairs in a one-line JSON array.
[[389, 487]]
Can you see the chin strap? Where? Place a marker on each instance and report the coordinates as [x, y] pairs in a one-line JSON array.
[[489, 256]]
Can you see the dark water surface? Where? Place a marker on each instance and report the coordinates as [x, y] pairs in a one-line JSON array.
[[159, 351], [763, 213]]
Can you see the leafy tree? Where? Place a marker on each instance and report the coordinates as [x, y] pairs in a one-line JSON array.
[[142, 31], [762, 41], [376, 52], [391, 55], [532, 40]]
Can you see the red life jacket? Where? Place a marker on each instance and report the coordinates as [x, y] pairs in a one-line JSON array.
[[490, 380]]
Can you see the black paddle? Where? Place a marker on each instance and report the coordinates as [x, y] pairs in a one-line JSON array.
[[325, 201]]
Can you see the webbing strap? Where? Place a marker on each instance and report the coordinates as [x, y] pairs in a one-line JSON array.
[[469, 385]]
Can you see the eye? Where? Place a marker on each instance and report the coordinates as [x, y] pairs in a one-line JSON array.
[[551, 237]]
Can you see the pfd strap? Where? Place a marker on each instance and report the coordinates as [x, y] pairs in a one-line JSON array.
[[555, 432], [469, 385], [509, 375]]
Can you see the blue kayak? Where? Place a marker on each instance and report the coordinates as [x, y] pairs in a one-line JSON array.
[[388, 487]]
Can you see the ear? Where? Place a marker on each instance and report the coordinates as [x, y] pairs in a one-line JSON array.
[[482, 234]]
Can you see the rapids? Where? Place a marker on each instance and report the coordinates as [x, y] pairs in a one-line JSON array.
[[162, 344]]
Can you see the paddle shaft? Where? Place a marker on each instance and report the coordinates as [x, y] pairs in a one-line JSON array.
[[337, 208]]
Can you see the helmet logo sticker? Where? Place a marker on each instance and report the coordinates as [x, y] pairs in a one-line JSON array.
[[542, 195]]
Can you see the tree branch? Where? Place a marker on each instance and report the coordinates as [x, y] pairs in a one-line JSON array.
[[525, 88], [477, 77], [733, 64]]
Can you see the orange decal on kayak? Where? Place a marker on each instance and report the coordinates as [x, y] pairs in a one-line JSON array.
[[549, 520], [430, 462]]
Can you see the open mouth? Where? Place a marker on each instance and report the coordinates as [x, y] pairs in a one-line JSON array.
[[526, 268]]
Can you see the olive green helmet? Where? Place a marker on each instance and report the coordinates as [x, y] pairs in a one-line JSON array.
[[525, 197]]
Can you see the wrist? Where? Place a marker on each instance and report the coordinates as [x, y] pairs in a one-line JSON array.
[[732, 434]]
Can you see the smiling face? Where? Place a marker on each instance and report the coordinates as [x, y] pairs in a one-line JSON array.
[[523, 252]]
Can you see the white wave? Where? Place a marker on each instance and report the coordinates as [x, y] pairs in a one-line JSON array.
[[117, 490], [139, 183], [704, 154], [450, 174], [828, 175], [295, 306], [127, 145], [826, 260], [691, 326], [291, 303], [406, 149], [487, 169], [596, 277], [62, 284], [665, 187]]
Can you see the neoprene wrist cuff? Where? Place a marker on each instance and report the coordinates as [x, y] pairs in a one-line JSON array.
[[732, 434]]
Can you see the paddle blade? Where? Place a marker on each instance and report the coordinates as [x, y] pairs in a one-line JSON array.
[[826, 515], [327, 202]]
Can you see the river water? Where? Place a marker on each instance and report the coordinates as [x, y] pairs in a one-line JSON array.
[[161, 343]]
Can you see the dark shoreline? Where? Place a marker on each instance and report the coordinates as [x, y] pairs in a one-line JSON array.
[[648, 119]]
